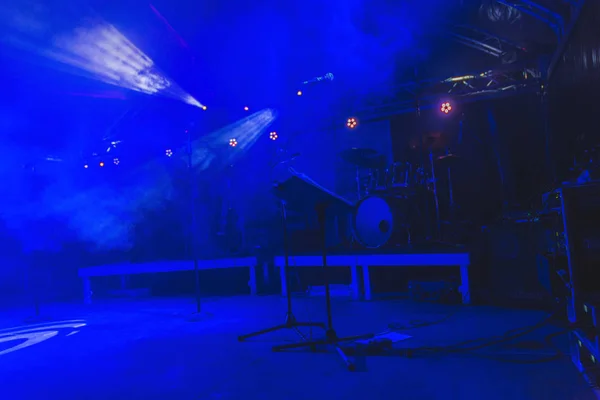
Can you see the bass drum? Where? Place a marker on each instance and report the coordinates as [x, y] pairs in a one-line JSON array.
[[381, 220]]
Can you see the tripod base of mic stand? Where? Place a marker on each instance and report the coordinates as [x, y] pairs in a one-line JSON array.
[[332, 340], [290, 323], [200, 316]]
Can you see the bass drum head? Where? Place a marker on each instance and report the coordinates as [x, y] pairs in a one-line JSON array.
[[373, 222]]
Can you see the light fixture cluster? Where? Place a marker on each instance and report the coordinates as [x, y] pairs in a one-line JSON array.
[[446, 107], [351, 123]]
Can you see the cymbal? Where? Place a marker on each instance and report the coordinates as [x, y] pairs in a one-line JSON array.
[[448, 157], [365, 158]]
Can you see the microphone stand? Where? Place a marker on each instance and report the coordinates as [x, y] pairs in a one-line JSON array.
[[33, 276], [193, 227], [331, 340], [290, 319], [290, 322]]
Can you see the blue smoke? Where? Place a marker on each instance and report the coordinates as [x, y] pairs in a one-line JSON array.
[[45, 204]]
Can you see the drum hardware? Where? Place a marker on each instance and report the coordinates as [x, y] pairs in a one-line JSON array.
[[449, 159], [358, 183], [369, 160], [363, 158], [401, 175], [378, 180], [435, 196]]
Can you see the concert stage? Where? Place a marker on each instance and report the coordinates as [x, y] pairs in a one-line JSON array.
[[148, 349]]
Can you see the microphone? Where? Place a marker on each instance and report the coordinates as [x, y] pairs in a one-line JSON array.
[[287, 160], [327, 77]]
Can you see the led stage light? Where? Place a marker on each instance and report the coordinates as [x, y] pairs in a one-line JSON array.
[[352, 123], [446, 107]]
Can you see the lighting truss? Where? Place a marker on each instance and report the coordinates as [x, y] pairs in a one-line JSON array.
[[479, 39], [466, 88], [554, 20], [508, 51]]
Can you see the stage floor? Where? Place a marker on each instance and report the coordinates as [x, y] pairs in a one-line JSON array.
[[147, 349]]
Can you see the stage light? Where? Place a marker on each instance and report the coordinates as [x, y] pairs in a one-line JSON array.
[[233, 142], [101, 164], [351, 123], [299, 93], [169, 152], [204, 108], [85, 166], [446, 107], [273, 135], [116, 161], [246, 108], [93, 49]]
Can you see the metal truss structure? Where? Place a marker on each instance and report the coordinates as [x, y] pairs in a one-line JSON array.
[[508, 51], [511, 78], [461, 89]]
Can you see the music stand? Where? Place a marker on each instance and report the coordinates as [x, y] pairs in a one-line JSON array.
[[290, 319], [304, 194]]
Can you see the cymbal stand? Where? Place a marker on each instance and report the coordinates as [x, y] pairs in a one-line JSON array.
[[435, 195], [290, 319], [451, 194], [358, 185], [331, 340]]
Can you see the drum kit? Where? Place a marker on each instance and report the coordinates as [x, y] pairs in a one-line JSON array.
[[396, 201]]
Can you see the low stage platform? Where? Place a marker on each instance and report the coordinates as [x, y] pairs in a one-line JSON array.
[[126, 269], [459, 260], [360, 264]]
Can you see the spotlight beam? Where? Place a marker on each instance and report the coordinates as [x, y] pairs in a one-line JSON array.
[[177, 36], [103, 215], [94, 49]]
